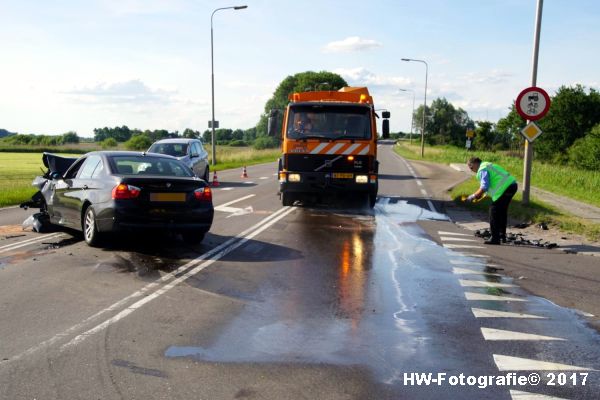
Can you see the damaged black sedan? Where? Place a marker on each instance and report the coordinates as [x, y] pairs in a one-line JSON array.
[[109, 191]]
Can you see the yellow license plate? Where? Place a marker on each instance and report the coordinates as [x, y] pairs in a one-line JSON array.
[[343, 175], [167, 196]]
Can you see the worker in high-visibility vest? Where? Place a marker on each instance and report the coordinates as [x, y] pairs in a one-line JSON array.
[[501, 186]]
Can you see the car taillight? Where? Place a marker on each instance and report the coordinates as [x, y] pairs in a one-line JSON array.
[[203, 194], [123, 191]]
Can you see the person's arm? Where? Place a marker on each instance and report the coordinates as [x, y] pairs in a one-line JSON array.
[[483, 187]]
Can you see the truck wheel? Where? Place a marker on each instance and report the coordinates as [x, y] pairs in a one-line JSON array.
[[372, 200], [287, 199]]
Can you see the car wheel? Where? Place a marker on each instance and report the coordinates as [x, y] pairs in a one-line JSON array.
[[193, 237], [90, 230], [287, 199]]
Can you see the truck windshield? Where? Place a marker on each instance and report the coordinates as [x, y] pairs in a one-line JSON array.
[[329, 122]]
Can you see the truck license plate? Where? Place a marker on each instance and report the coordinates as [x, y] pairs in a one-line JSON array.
[[343, 175]]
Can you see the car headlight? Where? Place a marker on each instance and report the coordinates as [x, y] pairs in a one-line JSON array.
[[293, 177], [361, 179]]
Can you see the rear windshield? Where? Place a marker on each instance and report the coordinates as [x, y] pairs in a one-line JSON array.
[[171, 149], [329, 121], [148, 165]]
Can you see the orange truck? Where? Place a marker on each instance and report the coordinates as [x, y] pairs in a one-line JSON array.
[[329, 145]]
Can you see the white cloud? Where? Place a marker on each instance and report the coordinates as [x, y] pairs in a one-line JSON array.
[[134, 92], [132, 7], [495, 76], [362, 77], [350, 44]]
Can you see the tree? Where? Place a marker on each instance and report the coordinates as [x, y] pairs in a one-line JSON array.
[[138, 142], [70, 137], [444, 124], [300, 82], [585, 152], [191, 134], [509, 129], [572, 115]]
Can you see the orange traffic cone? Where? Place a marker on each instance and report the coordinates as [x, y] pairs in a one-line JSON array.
[[244, 173], [215, 181]]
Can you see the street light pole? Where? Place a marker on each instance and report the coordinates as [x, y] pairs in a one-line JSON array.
[[424, 103], [212, 79], [412, 116]]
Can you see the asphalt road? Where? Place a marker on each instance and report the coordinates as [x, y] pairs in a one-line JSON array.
[[320, 302]]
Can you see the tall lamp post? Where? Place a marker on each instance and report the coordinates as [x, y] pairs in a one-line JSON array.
[[212, 79], [412, 116], [424, 103]]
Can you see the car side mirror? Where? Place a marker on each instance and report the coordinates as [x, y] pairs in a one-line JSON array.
[[272, 123]]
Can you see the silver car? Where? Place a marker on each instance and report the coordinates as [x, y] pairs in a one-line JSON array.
[[189, 151]]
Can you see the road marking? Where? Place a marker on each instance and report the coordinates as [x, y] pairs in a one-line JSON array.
[[462, 246], [485, 313], [518, 395], [499, 334], [465, 271], [456, 239], [225, 189], [474, 263], [264, 177], [454, 233], [412, 172], [27, 242], [490, 297], [248, 183], [419, 183], [151, 286], [473, 283], [216, 254], [234, 210], [508, 363], [468, 255]]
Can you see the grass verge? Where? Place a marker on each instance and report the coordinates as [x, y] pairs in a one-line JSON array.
[[536, 211]]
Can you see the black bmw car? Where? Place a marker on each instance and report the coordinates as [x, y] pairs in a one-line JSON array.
[[107, 191]]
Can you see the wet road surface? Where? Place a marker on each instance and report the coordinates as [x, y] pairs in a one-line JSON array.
[[283, 303]]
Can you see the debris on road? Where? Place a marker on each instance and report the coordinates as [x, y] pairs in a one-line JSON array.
[[517, 239]]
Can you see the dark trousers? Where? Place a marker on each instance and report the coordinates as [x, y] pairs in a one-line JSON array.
[[499, 212]]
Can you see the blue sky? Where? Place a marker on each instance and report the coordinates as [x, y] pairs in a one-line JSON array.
[[77, 65]]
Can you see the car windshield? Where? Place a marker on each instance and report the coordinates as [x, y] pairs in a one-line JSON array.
[[329, 121], [148, 165], [172, 149]]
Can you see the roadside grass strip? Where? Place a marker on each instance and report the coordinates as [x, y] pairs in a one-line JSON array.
[[508, 363], [485, 313], [473, 283], [471, 296], [500, 334], [519, 395]]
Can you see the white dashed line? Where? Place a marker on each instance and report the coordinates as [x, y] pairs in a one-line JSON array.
[[456, 239], [490, 297], [518, 395], [499, 334], [508, 363], [464, 271], [473, 283], [485, 313], [462, 246], [264, 177], [453, 233], [226, 189]]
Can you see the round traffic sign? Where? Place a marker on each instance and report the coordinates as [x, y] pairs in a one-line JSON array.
[[533, 103]]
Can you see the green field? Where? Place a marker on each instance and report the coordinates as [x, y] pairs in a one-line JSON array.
[[17, 170], [567, 181]]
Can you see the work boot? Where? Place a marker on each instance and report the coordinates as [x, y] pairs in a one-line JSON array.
[[503, 238], [492, 241]]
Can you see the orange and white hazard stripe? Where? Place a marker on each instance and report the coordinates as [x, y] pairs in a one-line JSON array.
[[341, 148]]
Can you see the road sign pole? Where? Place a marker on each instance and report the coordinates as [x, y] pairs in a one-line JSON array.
[[534, 67]]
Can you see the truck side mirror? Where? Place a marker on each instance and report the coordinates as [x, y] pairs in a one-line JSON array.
[[385, 114], [385, 127], [272, 123]]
